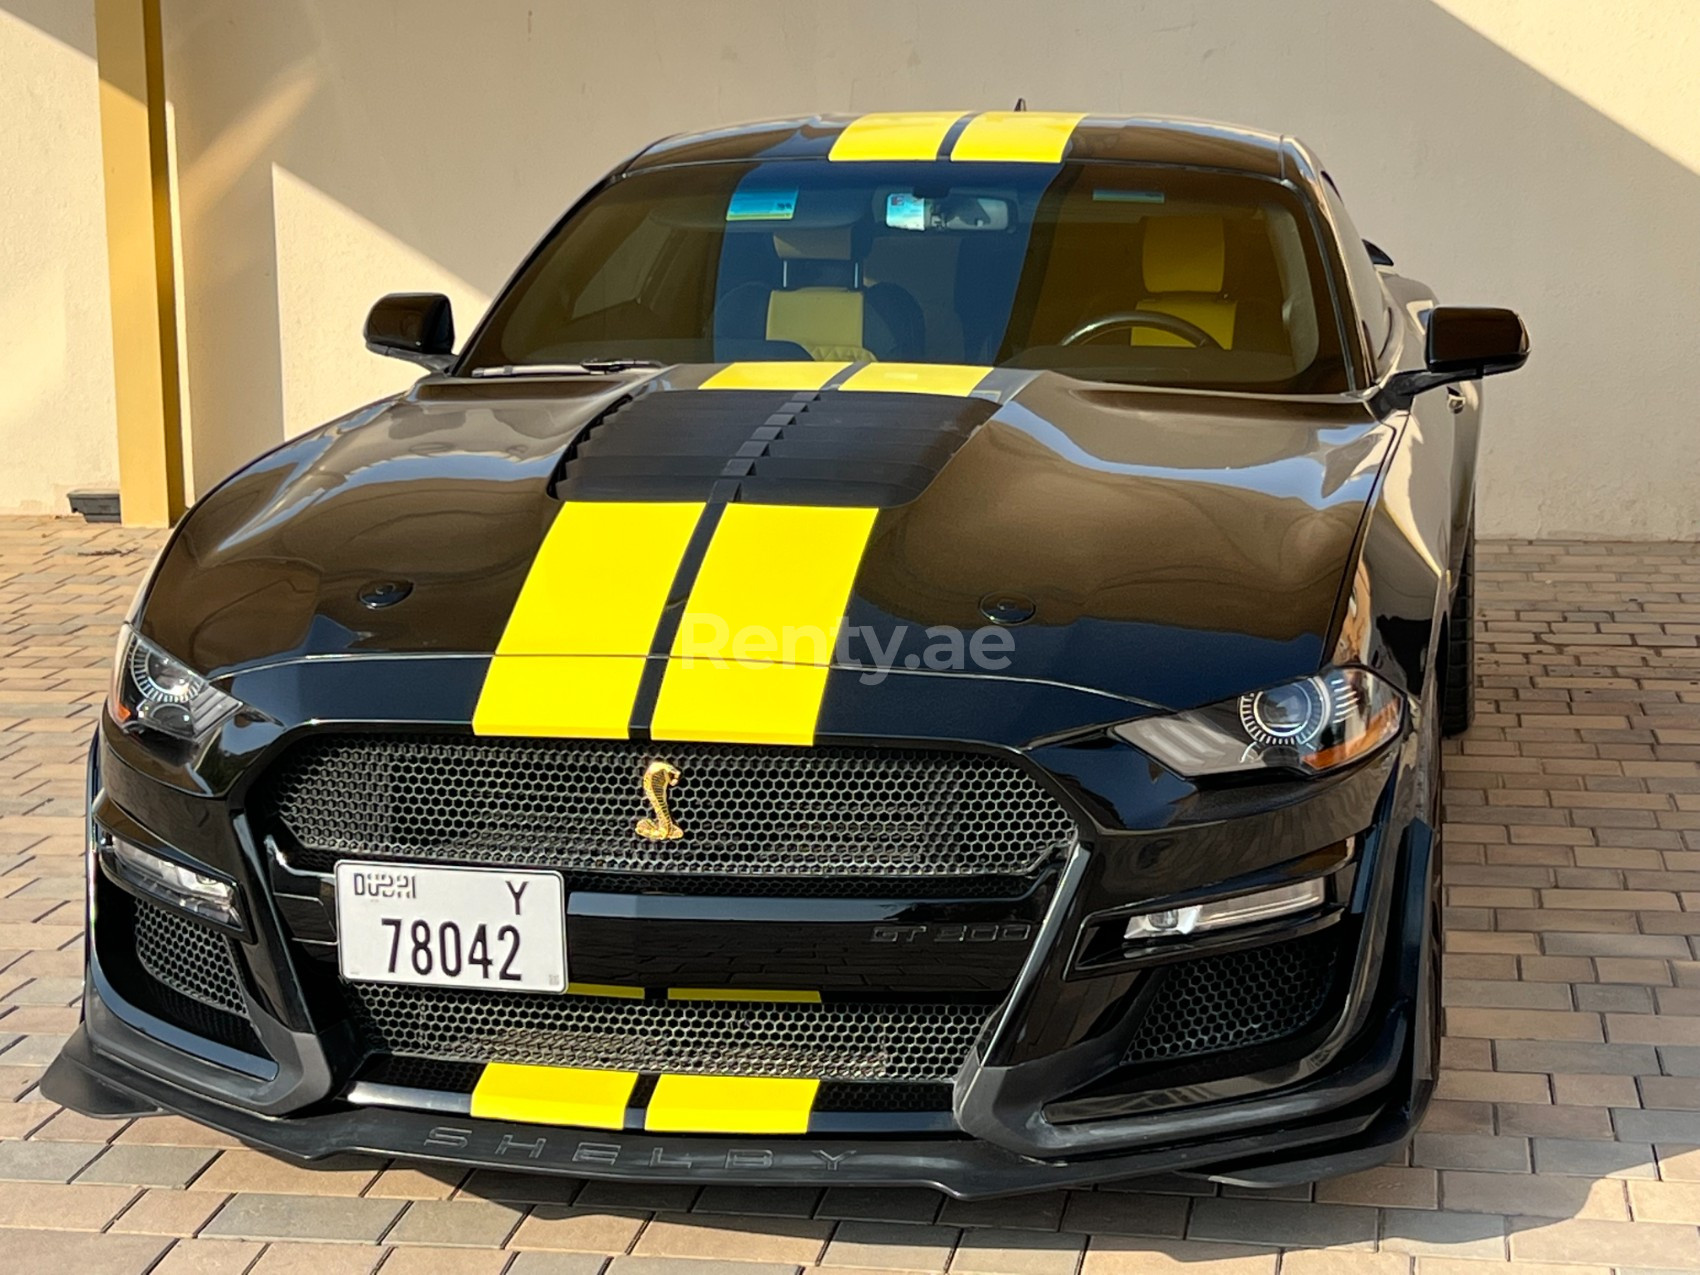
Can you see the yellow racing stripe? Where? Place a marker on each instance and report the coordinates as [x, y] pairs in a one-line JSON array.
[[777, 995], [730, 1104], [750, 662], [954, 379], [572, 654], [773, 376], [554, 1095], [606, 989], [1034, 137], [894, 135]]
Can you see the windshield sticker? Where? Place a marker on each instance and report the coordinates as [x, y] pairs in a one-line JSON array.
[[762, 205], [905, 211], [1128, 196]]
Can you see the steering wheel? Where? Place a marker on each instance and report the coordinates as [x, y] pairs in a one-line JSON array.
[[1144, 319]]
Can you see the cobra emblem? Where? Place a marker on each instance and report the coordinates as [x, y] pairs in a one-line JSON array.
[[658, 777]]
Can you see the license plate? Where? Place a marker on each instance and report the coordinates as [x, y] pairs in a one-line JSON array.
[[451, 927]]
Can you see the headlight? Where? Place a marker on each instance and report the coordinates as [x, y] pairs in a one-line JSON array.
[[208, 897], [1222, 914], [1312, 725], [155, 691]]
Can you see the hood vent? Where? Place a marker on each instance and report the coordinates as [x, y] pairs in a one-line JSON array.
[[866, 450]]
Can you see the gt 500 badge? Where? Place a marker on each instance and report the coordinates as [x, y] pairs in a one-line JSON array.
[[972, 932]]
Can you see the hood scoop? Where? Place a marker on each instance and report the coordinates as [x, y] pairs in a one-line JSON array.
[[864, 450]]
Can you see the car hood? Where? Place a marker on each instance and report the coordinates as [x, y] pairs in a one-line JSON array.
[[1163, 548]]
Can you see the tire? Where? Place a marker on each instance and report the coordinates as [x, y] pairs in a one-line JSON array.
[[1458, 681]]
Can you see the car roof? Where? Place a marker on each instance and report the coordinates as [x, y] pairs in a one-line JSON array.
[[1144, 139]]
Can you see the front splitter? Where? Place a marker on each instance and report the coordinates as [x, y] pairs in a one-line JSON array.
[[959, 1166]]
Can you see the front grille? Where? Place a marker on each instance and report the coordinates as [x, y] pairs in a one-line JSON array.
[[841, 1041], [747, 811], [188, 958], [1237, 999]]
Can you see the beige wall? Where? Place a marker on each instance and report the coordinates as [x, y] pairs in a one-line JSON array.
[[57, 421], [1525, 152]]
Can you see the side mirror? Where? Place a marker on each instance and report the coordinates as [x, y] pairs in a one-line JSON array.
[[1465, 343], [1377, 254], [416, 326]]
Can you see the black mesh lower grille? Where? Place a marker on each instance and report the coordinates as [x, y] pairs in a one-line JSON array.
[[188, 958], [845, 1041], [1237, 999], [746, 811]]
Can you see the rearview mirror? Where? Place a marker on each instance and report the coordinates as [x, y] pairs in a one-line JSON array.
[[416, 326], [1464, 343]]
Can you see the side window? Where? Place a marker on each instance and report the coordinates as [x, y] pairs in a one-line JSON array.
[[1367, 292]]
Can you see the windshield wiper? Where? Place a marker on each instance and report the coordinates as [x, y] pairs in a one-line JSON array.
[[590, 367]]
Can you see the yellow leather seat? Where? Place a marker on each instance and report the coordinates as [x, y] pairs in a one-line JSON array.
[[827, 322], [1183, 265]]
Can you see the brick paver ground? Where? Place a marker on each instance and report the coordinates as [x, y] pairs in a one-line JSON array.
[[1565, 1136]]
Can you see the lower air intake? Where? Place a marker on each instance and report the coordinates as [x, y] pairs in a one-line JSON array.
[[1237, 999], [188, 958], [851, 1041]]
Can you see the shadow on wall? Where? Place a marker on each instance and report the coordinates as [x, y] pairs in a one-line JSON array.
[[331, 152]]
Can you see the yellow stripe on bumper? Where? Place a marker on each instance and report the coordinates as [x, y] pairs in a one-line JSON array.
[[894, 135], [730, 1104], [773, 376], [1035, 137], [571, 657], [954, 379], [554, 1095], [750, 662], [742, 994]]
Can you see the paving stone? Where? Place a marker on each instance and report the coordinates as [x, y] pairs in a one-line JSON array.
[[31, 1251], [521, 1188], [641, 1196], [879, 1204], [1510, 1194], [692, 1266], [303, 1217], [209, 1257], [451, 1223], [1282, 1223], [904, 1248], [446, 1261], [317, 1259], [1041, 1211], [165, 1212], [798, 1241], [147, 1166], [767, 1201], [56, 1207], [260, 1173], [1392, 1186], [1592, 1159], [1120, 1255], [1476, 1236], [1619, 1244], [1470, 1151], [986, 1251], [537, 1262], [578, 1230], [45, 1161], [1125, 1213]]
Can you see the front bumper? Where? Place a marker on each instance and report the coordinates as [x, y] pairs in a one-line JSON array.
[[1036, 1105]]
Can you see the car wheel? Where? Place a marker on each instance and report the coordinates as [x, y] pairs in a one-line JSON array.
[[1458, 684]]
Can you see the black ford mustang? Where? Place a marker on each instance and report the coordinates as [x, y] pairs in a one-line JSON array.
[[909, 649]]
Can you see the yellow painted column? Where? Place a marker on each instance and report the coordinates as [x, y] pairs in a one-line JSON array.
[[139, 260]]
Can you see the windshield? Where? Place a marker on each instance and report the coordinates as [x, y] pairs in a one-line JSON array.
[[1120, 272]]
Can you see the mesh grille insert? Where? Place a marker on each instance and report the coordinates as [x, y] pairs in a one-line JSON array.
[[850, 1041], [746, 811], [1237, 999], [188, 958]]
